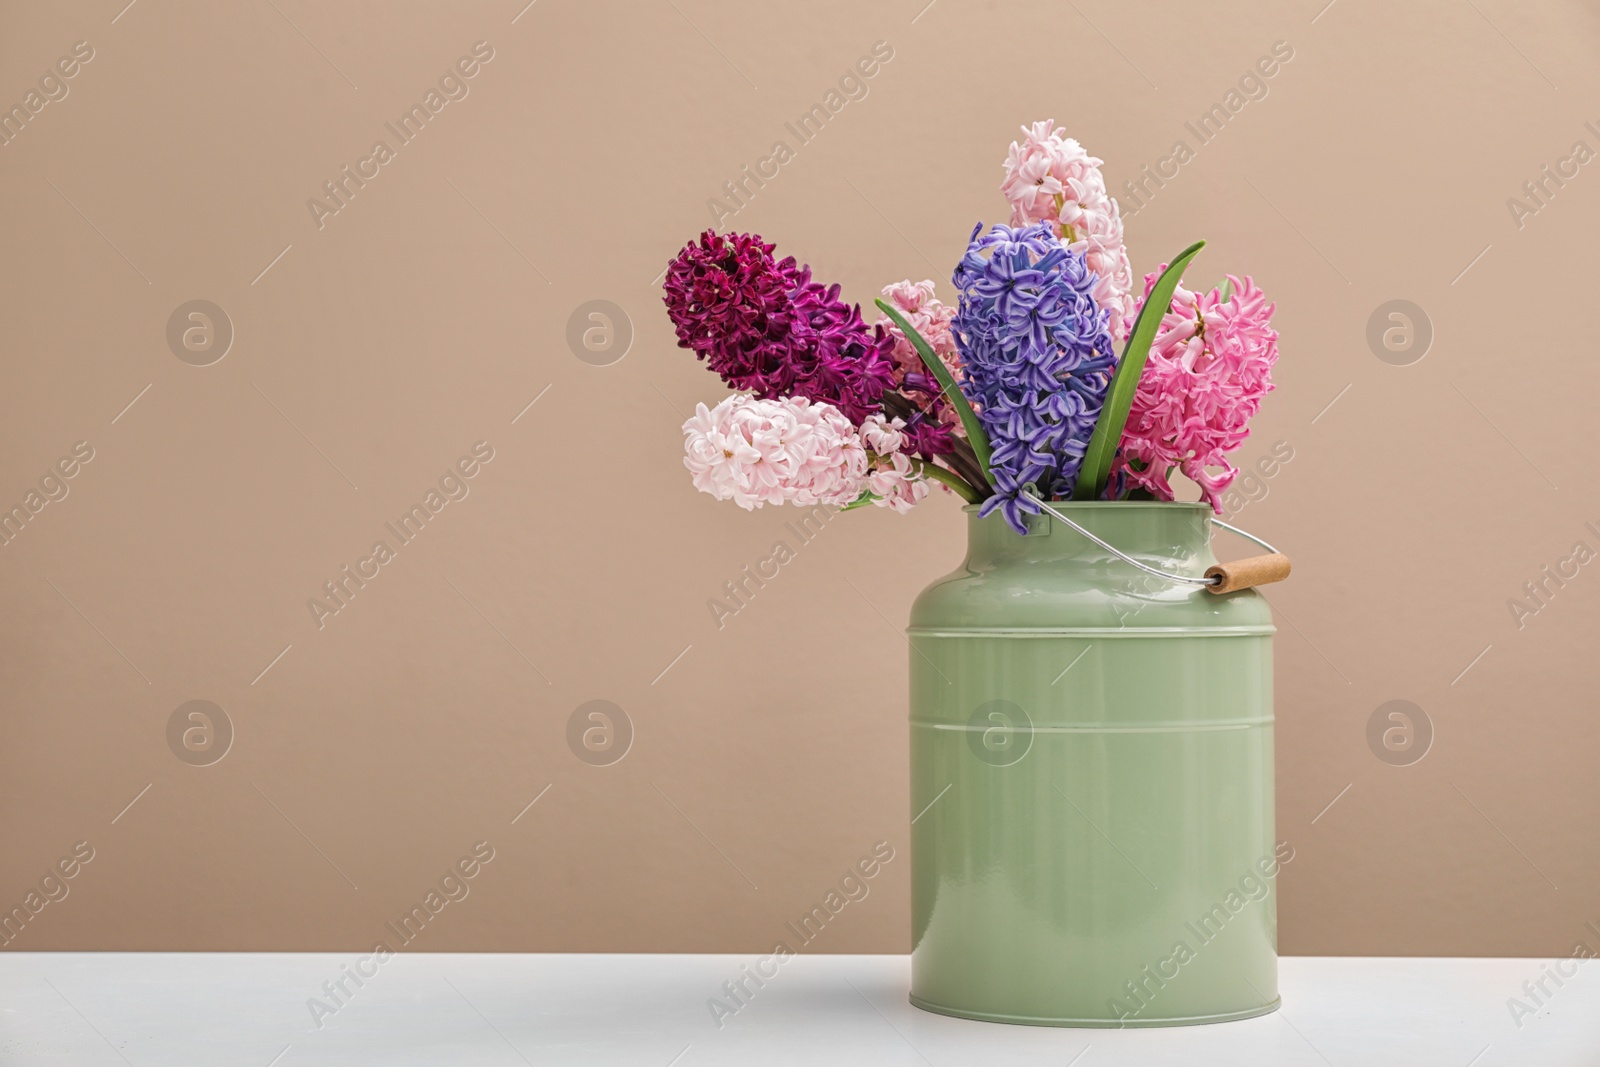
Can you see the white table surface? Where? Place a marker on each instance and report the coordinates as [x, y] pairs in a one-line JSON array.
[[250, 1010]]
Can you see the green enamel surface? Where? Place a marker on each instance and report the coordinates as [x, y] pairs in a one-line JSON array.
[[1091, 776]]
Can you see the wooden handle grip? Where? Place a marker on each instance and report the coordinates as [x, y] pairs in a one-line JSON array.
[[1244, 573]]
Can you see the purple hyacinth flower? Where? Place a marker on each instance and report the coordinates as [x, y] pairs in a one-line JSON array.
[[1037, 360]]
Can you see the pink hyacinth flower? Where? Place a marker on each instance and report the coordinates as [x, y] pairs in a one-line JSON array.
[[1050, 178], [1208, 370]]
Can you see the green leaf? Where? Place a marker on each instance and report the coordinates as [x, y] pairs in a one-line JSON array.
[[969, 419], [1096, 469]]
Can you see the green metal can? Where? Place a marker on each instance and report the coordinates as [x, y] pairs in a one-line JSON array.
[[1091, 779]]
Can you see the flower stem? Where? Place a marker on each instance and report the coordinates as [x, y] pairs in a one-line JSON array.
[[1067, 234], [963, 462], [953, 480], [938, 474], [961, 459]]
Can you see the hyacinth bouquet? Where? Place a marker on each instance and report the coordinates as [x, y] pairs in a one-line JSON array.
[[1014, 395]]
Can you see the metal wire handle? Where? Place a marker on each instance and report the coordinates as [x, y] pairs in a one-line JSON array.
[[1124, 557]]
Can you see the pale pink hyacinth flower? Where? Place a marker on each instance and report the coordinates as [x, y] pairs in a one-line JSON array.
[[1050, 178], [882, 435], [894, 479], [787, 451], [1208, 370], [797, 451], [897, 486], [931, 318]]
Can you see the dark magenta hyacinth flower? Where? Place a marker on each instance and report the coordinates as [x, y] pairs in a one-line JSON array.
[[767, 327]]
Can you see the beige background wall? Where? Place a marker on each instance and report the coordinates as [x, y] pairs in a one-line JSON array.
[[370, 354]]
